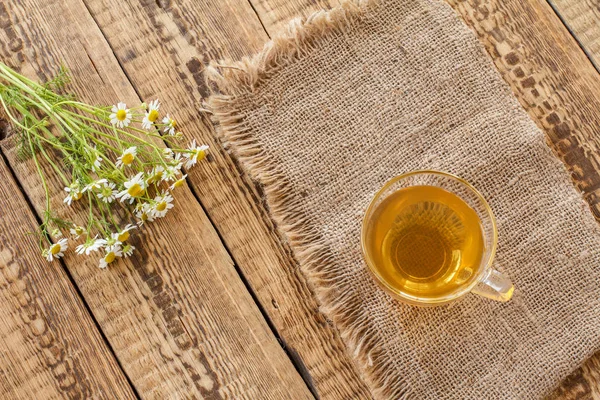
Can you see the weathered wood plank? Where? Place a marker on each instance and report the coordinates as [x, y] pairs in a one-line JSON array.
[[164, 47], [276, 14], [549, 74], [177, 315], [582, 17], [47, 336]]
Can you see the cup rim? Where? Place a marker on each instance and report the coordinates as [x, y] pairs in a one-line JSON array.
[[414, 299]]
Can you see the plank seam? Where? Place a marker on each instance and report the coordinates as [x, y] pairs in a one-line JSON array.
[[294, 358], [259, 19], [573, 35]]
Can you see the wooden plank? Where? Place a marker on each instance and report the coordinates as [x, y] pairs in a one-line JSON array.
[[164, 47], [47, 336], [548, 73], [276, 14], [582, 17], [177, 315]]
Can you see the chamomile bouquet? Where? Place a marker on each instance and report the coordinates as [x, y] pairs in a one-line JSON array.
[[110, 159]]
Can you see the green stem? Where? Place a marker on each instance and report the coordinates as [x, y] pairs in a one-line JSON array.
[[44, 184], [103, 143], [54, 166]]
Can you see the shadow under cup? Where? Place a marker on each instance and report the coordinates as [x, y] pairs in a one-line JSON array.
[[395, 210]]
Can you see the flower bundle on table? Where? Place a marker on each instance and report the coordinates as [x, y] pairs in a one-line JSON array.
[[110, 158]]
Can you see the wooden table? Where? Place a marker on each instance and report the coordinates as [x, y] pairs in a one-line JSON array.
[[214, 305]]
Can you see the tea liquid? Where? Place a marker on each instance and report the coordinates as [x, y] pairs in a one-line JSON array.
[[425, 241]]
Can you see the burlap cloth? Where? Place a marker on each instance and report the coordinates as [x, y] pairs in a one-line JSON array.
[[341, 103]]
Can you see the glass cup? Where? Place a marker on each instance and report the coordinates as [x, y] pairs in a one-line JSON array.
[[482, 278]]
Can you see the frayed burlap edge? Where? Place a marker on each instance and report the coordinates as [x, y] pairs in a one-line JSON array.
[[234, 81]]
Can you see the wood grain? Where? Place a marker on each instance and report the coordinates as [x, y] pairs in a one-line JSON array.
[[582, 17], [164, 47], [178, 316], [276, 14], [47, 336]]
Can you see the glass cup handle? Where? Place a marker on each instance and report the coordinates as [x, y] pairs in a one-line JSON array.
[[495, 286]]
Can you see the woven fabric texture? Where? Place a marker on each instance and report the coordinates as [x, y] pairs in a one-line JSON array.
[[342, 102]]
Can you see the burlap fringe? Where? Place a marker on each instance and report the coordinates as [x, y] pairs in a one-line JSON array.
[[238, 79]]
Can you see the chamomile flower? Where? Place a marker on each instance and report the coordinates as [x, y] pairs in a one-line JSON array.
[[178, 183], [96, 164], [134, 188], [152, 114], [176, 163], [156, 175], [121, 116], [92, 244], [171, 172], [170, 125], [168, 153], [57, 250], [107, 192], [123, 235], [113, 245], [112, 242], [177, 160], [195, 153], [73, 193], [111, 254], [127, 157], [57, 233], [95, 185], [162, 204], [93, 156], [77, 231], [128, 250], [144, 213]]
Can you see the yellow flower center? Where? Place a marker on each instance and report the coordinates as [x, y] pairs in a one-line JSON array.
[[173, 123], [135, 190], [106, 191], [121, 115], [161, 206], [127, 158], [123, 236], [155, 178], [178, 183], [110, 257], [152, 115], [55, 249], [200, 154], [79, 230], [77, 195], [144, 217]]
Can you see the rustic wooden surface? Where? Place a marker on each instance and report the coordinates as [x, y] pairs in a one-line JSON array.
[[225, 312]]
